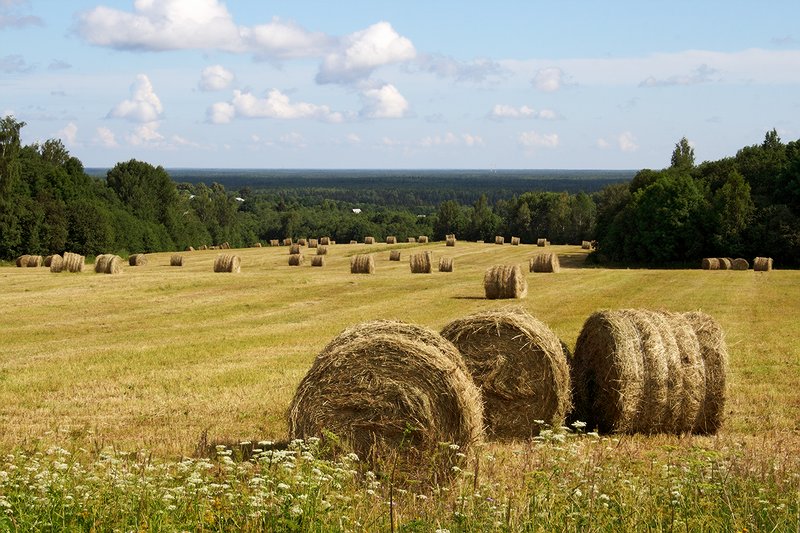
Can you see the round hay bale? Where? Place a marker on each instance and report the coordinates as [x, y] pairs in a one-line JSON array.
[[331, 243], [35, 261], [450, 241], [740, 264], [325, 240], [422, 239], [294, 249], [714, 354], [176, 260], [519, 365], [353, 242], [318, 261], [56, 263], [709, 263], [204, 247], [421, 263], [499, 239], [504, 281], [586, 245], [762, 264], [725, 263], [137, 260], [22, 261], [394, 255], [322, 250], [73, 262], [541, 242], [312, 243], [411, 239], [547, 262], [385, 388], [362, 264], [47, 260], [296, 259], [274, 242], [445, 264], [256, 245], [287, 241], [391, 239], [479, 241], [369, 240], [228, 263], [515, 241], [301, 242], [101, 263]]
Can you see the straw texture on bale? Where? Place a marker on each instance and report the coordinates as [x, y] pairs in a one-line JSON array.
[[73, 262], [191, 248], [318, 261], [256, 245], [353, 242], [740, 264], [294, 249], [420, 263], [362, 264], [297, 259], [714, 353], [301, 242], [325, 240], [545, 263], [391, 239], [176, 260], [504, 281], [411, 239], [204, 247], [287, 241], [108, 264], [499, 239], [586, 245], [445, 264], [369, 240], [394, 255], [56, 263], [387, 387], [762, 264], [515, 241], [312, 243], [422, 239], [274, 242], [450, 236], [519, 365], [725, 263], [642, 371], [228, 263], [709, 263], [34, 261], [47, 260], [100, 263], [22, 261], [541, 242], [137, 260], [451, 241], [322, 250]]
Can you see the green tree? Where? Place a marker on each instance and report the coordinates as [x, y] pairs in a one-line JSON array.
[[682, 156], [449, 219]]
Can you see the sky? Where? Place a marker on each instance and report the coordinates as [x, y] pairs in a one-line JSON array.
[[400, 84]]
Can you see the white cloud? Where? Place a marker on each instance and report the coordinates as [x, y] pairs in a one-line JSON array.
[[384, 102], [143, 105], [503, 111], [602, 144], [451, 139], [548, 79], [477, 70], [105, 138], [279, 39], [146, 133], [352, 138], [11, 17], [215, 78], [363, 51], [293, 139], [68, 133], [14, 64], [532, 140], [625, 142], [702, 74], [274, 105]]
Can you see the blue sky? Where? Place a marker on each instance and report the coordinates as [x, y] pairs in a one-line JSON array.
[[412, 84]]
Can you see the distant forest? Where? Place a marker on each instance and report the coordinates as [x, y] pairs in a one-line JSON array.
[[744, 205]]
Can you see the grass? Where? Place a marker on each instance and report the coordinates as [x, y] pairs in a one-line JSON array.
[[104, 367]]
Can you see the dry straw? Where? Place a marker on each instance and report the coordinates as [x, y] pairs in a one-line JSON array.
[[541, 242], [445, 264], [391, 239], [499, 239], [504, 281], [450, 241], [294, 249], [762, 264], [709, 263], [204, 247], [108, 264], [47, 260], [296, 259], [287, 241], [362, 264], [301, 242], [390, 390], [256, 245], [312, 243], [318, 261], [73, 262], [22, 261], [322, 250], [325, 240], [34, 261], [176, 260], [137, 260], [586, 245], [274, 242], [411, 239], [450, 236], [228, 263], [394, 255], [421, 263], [636, 370], [740, 264], [725, 263], [519, 365], [422, 239], [56, 263], [547, 262], [191, 248], [515, 241], [369, 240], [353, 242]]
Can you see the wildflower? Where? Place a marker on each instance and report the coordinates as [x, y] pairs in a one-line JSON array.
[[454, 446], [296, 510], [283, 486], [578, 424], [352, 457]]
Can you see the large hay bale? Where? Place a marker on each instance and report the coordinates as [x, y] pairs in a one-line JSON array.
[[391, 239], [714, 354], [547, 262], [137, 260], [421, 263], [638, 370], [450, 241], [394, 255], [422, 239], [411, 239], [762, 264], [445, 264], [362, 264], [725, 263], [101, 262], [519, 365], [325, 240], [294, 249], [515, 241], [108, 264], [709, 263], [586, 245], [301, 242], [176, 260], [318, 261], [274, 242], [322, 250], [296, 259], [228, 263], [504, 281], [22, 261], [287, 241], [56, 263], [740, 264], [541, 242], [388, 389], [498, 239], [73, 262], [35, 261], [47, 260], [312, 243], [369, 240]]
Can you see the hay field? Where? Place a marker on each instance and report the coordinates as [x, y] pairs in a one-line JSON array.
[[155, 356]]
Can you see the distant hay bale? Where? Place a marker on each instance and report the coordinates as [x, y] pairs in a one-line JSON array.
[[519, 365], [411, 239], [386, 388], [287, 241], [353, 242], [256, 245], [35, 261], [586, 245], [176, 260], [191, 248], [228, 263], [108, 264], [450, 241], [56, 263], [547, 262], [369, 240], [422, 239], [204, 247], [137, 260], [274, 242], [312, 243], [325, 240], [480, 241], [420, 263], [322, 250], [709, 263], [318, 261], [73, 262], [296, 260], [541, 242], [391, 239], [714, 354], [22, 261], [225, 245], [499, 239], [101, 262], [504, 281], [762, 264], [450, 236], [445, 264], [725, 263], [394, 255], [47, 260], [301, 242], [294, 249], [740, 264], [640, 371], [331, 243], [362, 264], [515, 241]]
